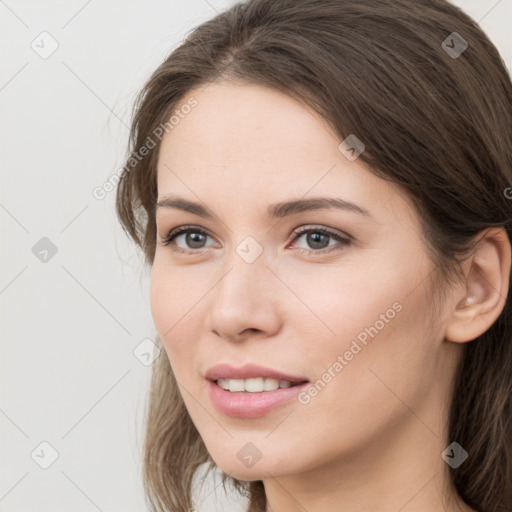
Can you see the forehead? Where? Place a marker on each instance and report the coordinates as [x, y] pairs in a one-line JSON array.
[[243, 123], [245, 142]]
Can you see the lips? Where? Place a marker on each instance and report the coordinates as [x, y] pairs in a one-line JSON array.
[[250, 371], [250, 405]]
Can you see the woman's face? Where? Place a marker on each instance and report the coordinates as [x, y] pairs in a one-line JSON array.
[[242, 287]]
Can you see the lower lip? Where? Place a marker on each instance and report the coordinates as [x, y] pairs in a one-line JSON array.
[[251, 405]]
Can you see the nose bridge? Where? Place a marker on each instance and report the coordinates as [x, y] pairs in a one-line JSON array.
[[242, 298], [245, 273]]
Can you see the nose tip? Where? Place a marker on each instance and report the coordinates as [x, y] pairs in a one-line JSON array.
[[244, 303]]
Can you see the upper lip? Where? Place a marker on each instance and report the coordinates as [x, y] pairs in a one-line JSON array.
[[248, 371]]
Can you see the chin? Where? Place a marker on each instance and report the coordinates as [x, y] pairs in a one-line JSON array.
[[236, 470], [261, 470]]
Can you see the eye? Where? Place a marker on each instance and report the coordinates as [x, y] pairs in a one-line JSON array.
[[318, 240], [193, 237]]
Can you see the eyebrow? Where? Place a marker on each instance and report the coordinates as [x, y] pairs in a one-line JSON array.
[[274, 211]]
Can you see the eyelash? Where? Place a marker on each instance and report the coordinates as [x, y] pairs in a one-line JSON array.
[[344, 241]]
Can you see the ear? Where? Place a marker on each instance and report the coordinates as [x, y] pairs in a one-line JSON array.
[[480, 302]]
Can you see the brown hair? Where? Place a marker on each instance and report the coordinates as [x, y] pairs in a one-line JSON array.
[[439, 125]]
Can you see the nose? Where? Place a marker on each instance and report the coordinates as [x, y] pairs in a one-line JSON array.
[[245, 300]]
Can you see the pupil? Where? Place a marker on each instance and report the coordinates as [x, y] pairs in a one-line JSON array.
[[194, 238], [313, 239]]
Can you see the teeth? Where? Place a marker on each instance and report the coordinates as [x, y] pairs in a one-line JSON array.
[[256, 385]]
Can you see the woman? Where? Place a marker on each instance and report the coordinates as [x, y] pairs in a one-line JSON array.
[[322, 192]]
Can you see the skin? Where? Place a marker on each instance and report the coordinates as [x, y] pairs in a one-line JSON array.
[[372, 438]]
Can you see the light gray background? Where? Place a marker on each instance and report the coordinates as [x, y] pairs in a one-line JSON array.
[[69, 376]]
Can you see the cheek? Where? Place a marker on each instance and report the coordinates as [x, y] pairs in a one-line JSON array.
[[177, 298], [172, 294], [375, 317], [169, 305], [336, 303], [378, 362], [161, 299]]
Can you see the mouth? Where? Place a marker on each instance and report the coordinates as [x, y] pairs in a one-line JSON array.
[[251, 378], [251, 391], [253, 397], [256, 384]]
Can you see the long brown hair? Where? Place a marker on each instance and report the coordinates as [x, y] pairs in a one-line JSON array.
[[435, 116]]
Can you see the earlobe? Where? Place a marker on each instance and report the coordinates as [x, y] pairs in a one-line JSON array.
[[482, 299]]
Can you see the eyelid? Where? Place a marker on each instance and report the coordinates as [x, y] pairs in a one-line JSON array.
[[172, 234], [342, 239], [323, 229]]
